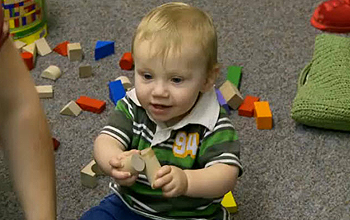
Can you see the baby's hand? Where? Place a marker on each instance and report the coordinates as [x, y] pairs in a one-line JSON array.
[[123, 178], [172, 180]]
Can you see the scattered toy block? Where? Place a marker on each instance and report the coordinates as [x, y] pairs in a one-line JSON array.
[[152, 164], [222, 101], [103, 49], [62, 48], [56, 143], [263, 115], [229, 203], [85, 71], [75, 52], [28, 60], [125, 81], [19, 44], [45, 91], [90, 104], [42, 47], [31, 48], [234, 75], [71, 109], [126, 62], [231, 94], [89, 173], [116, 91], [247, 107], [52, 72]]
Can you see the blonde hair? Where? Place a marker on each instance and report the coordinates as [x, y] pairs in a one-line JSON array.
[[170, 22]]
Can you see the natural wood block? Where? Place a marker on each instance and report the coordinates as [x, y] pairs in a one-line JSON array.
[[52, 72], [231, 94], [133, 164], [152, 164], [90, 104], [75, 52], [229, 203], [125, 81], [42, 47], [85, 71], [71, 109], [247, 107], [263, 115], [45, 91], [89, 173], [19, 44]]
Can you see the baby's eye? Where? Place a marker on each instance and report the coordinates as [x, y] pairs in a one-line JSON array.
[[147, 76], [176, 80]]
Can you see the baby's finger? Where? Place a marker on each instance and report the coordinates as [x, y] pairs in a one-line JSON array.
[[161, 182], [130, 152], [120, 174], [114, 162], [163, 171], [127, 182], [169, 190]]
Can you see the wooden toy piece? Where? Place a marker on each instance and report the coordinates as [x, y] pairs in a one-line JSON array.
[[234, 75], [75, 52], [126, 62], [222, 101], [116, 91], [52, 72], [28, 60], [56, 143], [247, 107], [133, 164], [42, 47], [31, 48], [125, 81], [229, 203], [89, 173], [263, 115], [231, 94], [45, 91], [152, 164], [62, 48], [19, 44], [103, 49], [90, 104], [71, 109], [85, 71]]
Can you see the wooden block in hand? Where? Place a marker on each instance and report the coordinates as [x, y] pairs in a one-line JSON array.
[[263, 115], [90, 104], [231, 94], [89, 173], [133, 164], [247, 107], [152, 164]]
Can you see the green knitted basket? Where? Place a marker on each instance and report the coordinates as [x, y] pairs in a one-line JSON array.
[[323, 96]]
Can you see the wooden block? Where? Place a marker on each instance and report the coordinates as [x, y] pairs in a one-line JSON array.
[[71, 109], [103, 49], [52, 72], [31, 48], [152, 164], [62, 48], [229, 203], [116, 91], [263, 115], [125, 81], [42, 47], [28, 60], [90, 104], [247, 107], [222, 101], [126, 62], [45, 91], [75, 52], [133, 164], [231, 94], [85, 71], [56, 143], [89, 173], [19, 44], [234, 75]]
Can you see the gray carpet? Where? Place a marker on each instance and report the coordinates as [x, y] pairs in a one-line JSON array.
[[291, 172]]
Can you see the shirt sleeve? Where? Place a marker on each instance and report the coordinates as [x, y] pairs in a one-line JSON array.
[[220, 145], [120, 122]]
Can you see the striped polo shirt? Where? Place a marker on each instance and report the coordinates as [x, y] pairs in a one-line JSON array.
[[201, 139]]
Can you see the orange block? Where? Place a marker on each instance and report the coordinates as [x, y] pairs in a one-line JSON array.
[[263, 115], [91, 105], [247, 108], [28, 59], [126, 62], [62, 48]]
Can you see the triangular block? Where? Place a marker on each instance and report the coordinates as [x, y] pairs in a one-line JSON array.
[[71, 108], [62, 48], [116, 91], [103, 49], [229, 203]]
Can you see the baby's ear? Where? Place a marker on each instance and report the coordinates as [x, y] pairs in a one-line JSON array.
[[211, 78]]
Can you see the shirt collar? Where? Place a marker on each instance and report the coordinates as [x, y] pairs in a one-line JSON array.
[[205, 112]]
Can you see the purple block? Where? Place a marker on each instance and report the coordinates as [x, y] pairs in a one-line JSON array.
[[222, 101]]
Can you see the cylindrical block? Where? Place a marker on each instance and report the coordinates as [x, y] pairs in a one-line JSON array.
[[133, 164], [152, 164], [28, 60], [126, 62]]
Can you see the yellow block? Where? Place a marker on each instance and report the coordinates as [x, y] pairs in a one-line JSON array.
[[229, 203], [7, 14], [12, 23], [263, 115]]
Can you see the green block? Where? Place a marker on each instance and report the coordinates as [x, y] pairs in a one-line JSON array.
[[234, 75]]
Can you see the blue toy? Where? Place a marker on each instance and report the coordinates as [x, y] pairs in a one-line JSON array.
[[103, 49], [116, 91], [222, 101]]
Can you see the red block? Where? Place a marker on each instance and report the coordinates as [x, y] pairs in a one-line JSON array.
[[91, 105], [28, 59], [62, 48], [56, 143], [247, 107], [126, 62]]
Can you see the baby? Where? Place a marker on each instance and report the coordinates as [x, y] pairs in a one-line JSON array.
[[173, 109]]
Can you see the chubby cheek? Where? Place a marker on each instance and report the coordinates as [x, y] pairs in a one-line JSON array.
[[186, 100]]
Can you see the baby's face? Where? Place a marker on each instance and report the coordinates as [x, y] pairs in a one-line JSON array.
[[168, 90]]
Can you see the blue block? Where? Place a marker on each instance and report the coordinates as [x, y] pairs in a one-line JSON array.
[[116, 91], [24, 21], [222, 101], [103, 49], [21, 3]]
